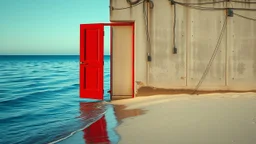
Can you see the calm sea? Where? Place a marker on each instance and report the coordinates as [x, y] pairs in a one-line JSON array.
[[39, 98]]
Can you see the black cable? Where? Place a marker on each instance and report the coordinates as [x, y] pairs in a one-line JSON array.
[[210, 8], [244, 17], [213, 57], [146, 25], [245, 2], [231, 2], [215, 9], [152, 5], [174, 26], [127, 7], [133, 3], [192, 5], [244, 9], [215, 2], [205, 3], [201, 8]]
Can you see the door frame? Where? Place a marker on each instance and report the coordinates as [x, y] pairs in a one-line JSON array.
[[118, 23]]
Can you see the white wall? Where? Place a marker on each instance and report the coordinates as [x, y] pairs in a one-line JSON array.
[[197, 32]]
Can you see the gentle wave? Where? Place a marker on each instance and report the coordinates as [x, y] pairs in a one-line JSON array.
[[89, 119], [39, 99]]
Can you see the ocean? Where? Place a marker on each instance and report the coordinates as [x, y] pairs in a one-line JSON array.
[[39, 100]]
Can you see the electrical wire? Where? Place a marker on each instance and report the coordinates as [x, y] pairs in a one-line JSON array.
[[244, 17], [174, 26], [213, 56], [210, 8], [245, 2], [192, 5], [152, 5], [215, 2], [200, 8], [205, 3], [134, 5], [244, 9], [145, 18], [146, 24]]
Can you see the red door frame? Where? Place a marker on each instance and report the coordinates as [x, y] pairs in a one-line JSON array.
[[116, 23], [111, 51]]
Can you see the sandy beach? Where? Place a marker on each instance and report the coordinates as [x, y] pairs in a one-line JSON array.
[[186, 119], [171, 119]]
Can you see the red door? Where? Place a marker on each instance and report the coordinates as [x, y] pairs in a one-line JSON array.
[[91, 61]]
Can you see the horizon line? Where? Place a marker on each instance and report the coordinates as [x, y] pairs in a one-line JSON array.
[[43, 54]]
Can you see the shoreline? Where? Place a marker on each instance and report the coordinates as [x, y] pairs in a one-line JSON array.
[[180, 119]]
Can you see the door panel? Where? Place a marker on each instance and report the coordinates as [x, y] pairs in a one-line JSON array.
[[91, 61]]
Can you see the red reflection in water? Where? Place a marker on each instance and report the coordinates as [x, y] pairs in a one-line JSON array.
[[97, 132]]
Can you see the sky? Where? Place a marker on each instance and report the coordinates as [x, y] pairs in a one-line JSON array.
[[48, 26]]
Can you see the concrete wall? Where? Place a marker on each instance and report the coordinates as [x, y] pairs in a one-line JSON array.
[[197, 32]]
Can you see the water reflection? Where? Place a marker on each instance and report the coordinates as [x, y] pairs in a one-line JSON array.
[[103, 119], [98, 131]]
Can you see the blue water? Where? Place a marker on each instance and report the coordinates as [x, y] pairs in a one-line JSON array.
[[39, 98]]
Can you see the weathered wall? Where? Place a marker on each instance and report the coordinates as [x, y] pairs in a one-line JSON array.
[[197, 32]]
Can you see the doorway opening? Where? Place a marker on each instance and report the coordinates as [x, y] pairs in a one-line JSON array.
[[107, 64]]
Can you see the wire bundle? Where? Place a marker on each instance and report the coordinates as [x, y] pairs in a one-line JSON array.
[[145, 13], [197, 7], [132, 4]]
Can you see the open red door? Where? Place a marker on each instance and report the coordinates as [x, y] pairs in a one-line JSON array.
[[91, 61]]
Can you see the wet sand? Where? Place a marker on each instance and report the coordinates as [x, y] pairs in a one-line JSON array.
[[178, 119], [102, 120], [190, 119]]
